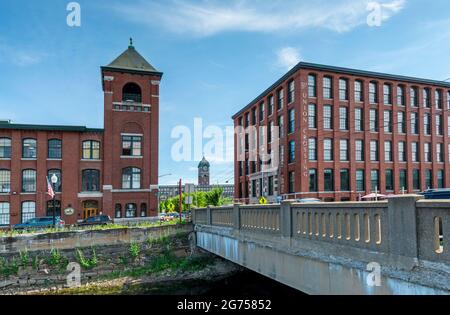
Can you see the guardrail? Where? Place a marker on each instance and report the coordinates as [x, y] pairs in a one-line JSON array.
[[403, 226]]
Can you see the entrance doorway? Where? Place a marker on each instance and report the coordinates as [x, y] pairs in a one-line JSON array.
[[90, 209]]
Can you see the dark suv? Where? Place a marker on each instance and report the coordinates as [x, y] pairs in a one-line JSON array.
[[97, 220]]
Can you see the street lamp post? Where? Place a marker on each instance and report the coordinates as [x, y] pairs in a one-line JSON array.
[[54, 180]]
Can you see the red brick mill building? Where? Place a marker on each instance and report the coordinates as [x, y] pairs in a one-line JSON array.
[[112, 171], [345, 133]]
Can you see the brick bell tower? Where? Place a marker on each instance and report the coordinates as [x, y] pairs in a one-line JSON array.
[[203, 173], [131, 132]]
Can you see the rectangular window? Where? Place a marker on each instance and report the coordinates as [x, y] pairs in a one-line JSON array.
[[254, 116], [426, 98], [29, 149], [415, 123], [375, 180], [416, 179], [374, 151], [270, 109], [439, 129], [373, 120], [270, 186], [343, 118], [281, 125], [291, 127], [359, 95], [313, 180], [427, 152], [312, 119], [280, 99], [345, 180], [439, 153], [427, 124], [28, 211], [291, 92], [5, 148], [400, 96], [262, 111], [448, 100], [131, 146], [388, 151], [387, 89], [360, 183], [415, 152], [359, 119], [54, 149], [441, 179], [312, 91], [388, 121], [402, 151], [327, 88], [4, 214], [343, 89], [291, 178], [328, 180], [328, 150], [91, 150], [328, 117], [413, 97], [438, 99], [403, 183], [312, 149], [254, 194], [5, 182], [373, 93], [57, 187], [389, 176], [359, 150], [429, 179], [29, 181], [343, 153], [401, 122], [291, 152]]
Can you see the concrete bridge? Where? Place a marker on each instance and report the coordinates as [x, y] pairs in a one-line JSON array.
[[399, 246]]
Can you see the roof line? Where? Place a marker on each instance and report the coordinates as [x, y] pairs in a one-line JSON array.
[[341, 70], [133, 71], [9, 126]]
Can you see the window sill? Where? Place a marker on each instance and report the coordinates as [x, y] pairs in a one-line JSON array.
[[28, 193], [90, 160], [131, 157], [5, 159], [29, 159], [54, 159]]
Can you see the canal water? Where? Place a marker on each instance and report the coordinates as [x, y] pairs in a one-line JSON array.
[[243, 283]]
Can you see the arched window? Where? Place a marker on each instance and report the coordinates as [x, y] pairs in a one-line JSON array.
[[58, 186], [5, 148], [91, 150], [28, 211], [54, 149], [131, 210], [131, 178], [118, 210], [57, 208], [90, 180], [4, 213], [132, 93], [143, 210], [5, 181], [29, 181], [29, 149]]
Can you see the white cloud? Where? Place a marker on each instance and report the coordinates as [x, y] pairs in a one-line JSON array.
[[210, 17], [20, 57], [288, 57]]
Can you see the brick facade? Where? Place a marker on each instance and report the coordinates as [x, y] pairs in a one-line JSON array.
[[139, 118], [302, 165]]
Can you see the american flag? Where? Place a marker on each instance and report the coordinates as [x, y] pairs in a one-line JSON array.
[[50, 191]]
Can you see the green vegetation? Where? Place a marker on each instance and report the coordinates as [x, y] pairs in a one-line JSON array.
[[200, 200], [8, 268], [56, 259], [134, 251], [87, 263], [12, 233], [24, 257]]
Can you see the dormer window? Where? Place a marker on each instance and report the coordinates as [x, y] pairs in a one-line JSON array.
[[131, 93]]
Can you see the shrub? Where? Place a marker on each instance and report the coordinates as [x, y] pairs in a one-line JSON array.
[[134, 250], [24, 257], [87, 263]]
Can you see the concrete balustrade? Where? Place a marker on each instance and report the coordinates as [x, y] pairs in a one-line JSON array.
[[408, 236]]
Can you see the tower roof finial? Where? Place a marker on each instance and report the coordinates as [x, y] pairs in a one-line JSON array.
[[131, 42]]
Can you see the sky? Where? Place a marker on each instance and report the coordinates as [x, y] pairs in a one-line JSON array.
[[216, 55]]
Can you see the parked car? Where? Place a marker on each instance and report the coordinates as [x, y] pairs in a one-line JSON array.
[[308, 200], [163, 217], [39, 223], [97, 220]]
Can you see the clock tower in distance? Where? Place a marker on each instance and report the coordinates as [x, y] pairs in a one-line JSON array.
[[203, 173]]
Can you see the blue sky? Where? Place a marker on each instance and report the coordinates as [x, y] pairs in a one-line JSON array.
[[216, 55]]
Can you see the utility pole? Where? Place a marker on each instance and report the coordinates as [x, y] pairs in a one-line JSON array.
[[181, 202]]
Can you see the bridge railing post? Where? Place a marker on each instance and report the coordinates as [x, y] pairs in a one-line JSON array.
[[402, 228], [237, 216], [208, 216], [286, 218]]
